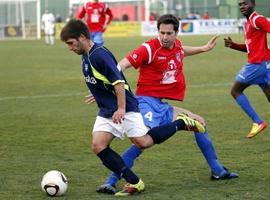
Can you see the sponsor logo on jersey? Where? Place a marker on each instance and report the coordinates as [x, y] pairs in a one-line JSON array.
[[162, 58], [91, 80], [134, 56], [85, 67]]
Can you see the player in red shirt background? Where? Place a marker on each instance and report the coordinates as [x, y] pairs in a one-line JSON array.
[[257, 70], [98, 16], [160, 65]]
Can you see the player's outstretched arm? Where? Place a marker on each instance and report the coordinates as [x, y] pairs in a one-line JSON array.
[[228, 42], [189, 51]]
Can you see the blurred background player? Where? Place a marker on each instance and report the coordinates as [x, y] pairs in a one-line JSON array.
[[98, 16], [48, 25], [257, 70], [160, 65]]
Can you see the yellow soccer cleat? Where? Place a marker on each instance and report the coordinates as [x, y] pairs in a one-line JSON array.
[[256, 128], [191, 124], [130, 189]]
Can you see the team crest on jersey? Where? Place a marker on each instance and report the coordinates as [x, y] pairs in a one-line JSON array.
[[91, 80], [178, 57]]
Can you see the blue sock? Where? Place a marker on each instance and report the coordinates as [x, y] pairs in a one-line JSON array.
[[129, 157], [244, 103], [208, 150]]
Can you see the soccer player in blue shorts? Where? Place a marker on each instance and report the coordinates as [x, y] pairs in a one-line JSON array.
[[160, 64], [118, 108], [257, 70]]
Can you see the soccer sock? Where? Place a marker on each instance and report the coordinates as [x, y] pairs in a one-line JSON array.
[[115, 163], [207, 148], [47, 40], [51, 39], [244, 103], [129, 157], [160, 134]]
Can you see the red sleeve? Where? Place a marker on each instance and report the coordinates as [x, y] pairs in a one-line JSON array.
[[81, 13], [138, 57], [263, 24], [109, 13], [239, 47]]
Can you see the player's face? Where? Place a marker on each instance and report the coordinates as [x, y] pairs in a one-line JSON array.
[[167, 35], [75, 45], [246, 7]]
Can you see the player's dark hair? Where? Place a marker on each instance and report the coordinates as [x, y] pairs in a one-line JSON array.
[[73, 29], [168, 19]]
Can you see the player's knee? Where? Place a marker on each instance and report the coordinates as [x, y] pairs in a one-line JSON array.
[[143, 142], [234, 93], [267, 94], [97, 147]]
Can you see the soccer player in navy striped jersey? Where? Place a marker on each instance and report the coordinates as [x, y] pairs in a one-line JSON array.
[[118, 108]]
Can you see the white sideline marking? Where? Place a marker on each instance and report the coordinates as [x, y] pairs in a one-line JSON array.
[[41, 96], [85, 93]]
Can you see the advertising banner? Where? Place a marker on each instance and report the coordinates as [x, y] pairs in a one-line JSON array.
[[123, 29], [199, 27]]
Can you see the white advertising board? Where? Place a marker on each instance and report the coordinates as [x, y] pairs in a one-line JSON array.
[[199, 27]]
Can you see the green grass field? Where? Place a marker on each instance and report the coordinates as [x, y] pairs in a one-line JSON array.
[[45, 125]]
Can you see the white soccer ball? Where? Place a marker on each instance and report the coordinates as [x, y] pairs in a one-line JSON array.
[[54, 183]]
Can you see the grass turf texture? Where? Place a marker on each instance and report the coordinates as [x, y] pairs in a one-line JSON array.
[[45, 125]]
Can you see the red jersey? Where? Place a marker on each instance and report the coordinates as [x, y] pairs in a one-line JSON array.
[[161, 70], [96, 15], [256, 29]]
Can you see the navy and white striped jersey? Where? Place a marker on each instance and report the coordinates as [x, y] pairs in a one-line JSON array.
[[101, 74]]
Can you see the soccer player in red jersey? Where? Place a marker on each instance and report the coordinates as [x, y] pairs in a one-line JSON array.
[[257, 70], [160, 65], [98, 17]]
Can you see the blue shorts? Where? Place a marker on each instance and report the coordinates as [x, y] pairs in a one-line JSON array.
[[255, 74], [97, 37], [154, 111]]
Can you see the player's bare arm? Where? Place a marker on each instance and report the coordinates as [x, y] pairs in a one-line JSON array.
[[228, 42], [124, 64], [189, 50], [119, 114]]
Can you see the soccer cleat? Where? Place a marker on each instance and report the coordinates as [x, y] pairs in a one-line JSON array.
[[256, 128], [225, 175], [106, 189], [131, 189], [191, 124]]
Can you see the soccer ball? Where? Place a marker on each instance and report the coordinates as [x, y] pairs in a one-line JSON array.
[[54, 183]]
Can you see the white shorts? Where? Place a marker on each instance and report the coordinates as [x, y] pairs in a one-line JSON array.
[[49, 31], [132, 126]]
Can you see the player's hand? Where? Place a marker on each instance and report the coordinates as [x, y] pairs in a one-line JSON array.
[[228, 42], [90, 99], [211, 43], [118, 116]]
